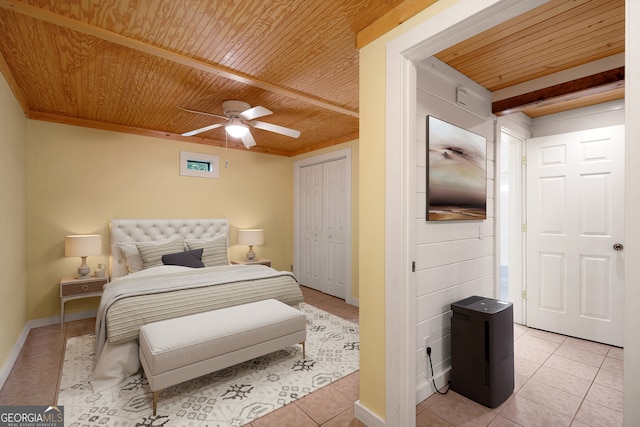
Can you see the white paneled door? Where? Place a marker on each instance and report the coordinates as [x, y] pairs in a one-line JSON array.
[[324, 227], [575, 231]]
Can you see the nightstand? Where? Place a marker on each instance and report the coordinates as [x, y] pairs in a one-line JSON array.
[[257, 261], [72, 288]]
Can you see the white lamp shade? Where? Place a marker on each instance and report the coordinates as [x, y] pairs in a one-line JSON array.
[[251, 237], [83, 245]]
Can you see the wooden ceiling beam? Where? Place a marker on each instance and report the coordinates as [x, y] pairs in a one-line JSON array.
[[396, 16], [84, 28], [590, 85]]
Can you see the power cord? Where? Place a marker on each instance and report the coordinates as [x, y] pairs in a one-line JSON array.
[[433, 375]]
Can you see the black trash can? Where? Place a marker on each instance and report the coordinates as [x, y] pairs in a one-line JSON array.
[[482, 350]]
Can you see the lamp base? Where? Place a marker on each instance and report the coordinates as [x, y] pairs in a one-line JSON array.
[[251, 255]]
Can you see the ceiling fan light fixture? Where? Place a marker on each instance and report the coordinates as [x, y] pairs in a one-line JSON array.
[[236, 128]]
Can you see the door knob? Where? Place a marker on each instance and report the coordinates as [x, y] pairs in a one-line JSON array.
[[618, 247]]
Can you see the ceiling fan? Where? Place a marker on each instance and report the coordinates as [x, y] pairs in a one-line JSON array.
[[240, 118]]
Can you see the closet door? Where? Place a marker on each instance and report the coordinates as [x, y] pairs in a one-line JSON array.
[[311, 227], [324, 227], [334, 225]]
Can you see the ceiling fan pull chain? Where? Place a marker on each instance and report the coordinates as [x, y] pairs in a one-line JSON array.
[[226, 151]]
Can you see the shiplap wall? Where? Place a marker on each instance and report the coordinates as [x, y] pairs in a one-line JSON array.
[[454, 259]]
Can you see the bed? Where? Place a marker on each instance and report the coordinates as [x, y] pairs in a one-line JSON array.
[[144, 290]]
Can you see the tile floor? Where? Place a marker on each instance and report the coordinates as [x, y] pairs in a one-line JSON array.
[[560, 381]]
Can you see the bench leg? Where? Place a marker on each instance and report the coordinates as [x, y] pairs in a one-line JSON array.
[[303, 350], [155, 401]]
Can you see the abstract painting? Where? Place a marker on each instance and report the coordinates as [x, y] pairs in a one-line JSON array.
[[456, 173]]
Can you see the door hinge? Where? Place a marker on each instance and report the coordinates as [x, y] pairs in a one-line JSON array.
[[413, 266], [524, 294], [524, 228], [524, 160]]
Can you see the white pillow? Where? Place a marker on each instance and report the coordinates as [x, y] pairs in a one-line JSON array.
[[131, 254], [151, 252], [215, 250]]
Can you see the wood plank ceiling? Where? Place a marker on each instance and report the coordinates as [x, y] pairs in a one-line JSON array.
[[128, 65]]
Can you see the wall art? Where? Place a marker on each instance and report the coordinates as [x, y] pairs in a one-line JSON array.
[[456, 173]]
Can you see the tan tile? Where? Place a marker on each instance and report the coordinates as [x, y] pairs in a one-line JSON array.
[[550, 397], [519, 381], [596, 415], [580, 355], [610, 379], [593, 347], [531, 414], [37, 395], [525, 368], [78, 328], [501, 421], [428, 419], [288, 416], [605, 396], [578, 424], [344, 419], [616, 353], [613, 365], [531, 354], [571, 367], [562, 381], [519, 330], [34, 379], [349, 386], [549, 336], [537, 343], [460, 411], [324, 404]]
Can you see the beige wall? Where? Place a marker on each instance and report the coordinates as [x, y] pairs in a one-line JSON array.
[[372, 212], [80, 178], [13, 225]]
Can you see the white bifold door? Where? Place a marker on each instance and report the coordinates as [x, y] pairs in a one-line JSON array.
[[324, 224], [575, 233]]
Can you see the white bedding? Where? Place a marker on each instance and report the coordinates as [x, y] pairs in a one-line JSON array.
[[116, 362]]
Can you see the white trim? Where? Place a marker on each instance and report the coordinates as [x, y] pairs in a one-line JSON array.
[[364, 415], [454, 24], [214, 162], [315, 160], [13, 355], [632, 206], [31, 324]]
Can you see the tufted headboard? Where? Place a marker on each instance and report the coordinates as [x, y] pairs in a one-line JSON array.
[[146, 230]]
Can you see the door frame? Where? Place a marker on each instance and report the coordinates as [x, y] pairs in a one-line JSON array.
[[456, 23], [503, 125], [297, 235]]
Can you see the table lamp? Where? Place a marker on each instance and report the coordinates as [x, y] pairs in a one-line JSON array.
[[83, 246], [251, 237]]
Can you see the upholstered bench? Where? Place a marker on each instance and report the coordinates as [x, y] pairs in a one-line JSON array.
[[177, 350]]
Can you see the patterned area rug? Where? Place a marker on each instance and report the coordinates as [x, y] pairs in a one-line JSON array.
[[230, 397]]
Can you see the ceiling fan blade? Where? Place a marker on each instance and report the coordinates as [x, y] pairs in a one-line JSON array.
[[203, 113], [204, 129], [248, 140], [255, 112], [276, 128]]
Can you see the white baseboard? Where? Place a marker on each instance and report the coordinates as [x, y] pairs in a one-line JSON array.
[[365, 416], [352, 301], [37, 323], [13, 355], [424, 386]]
